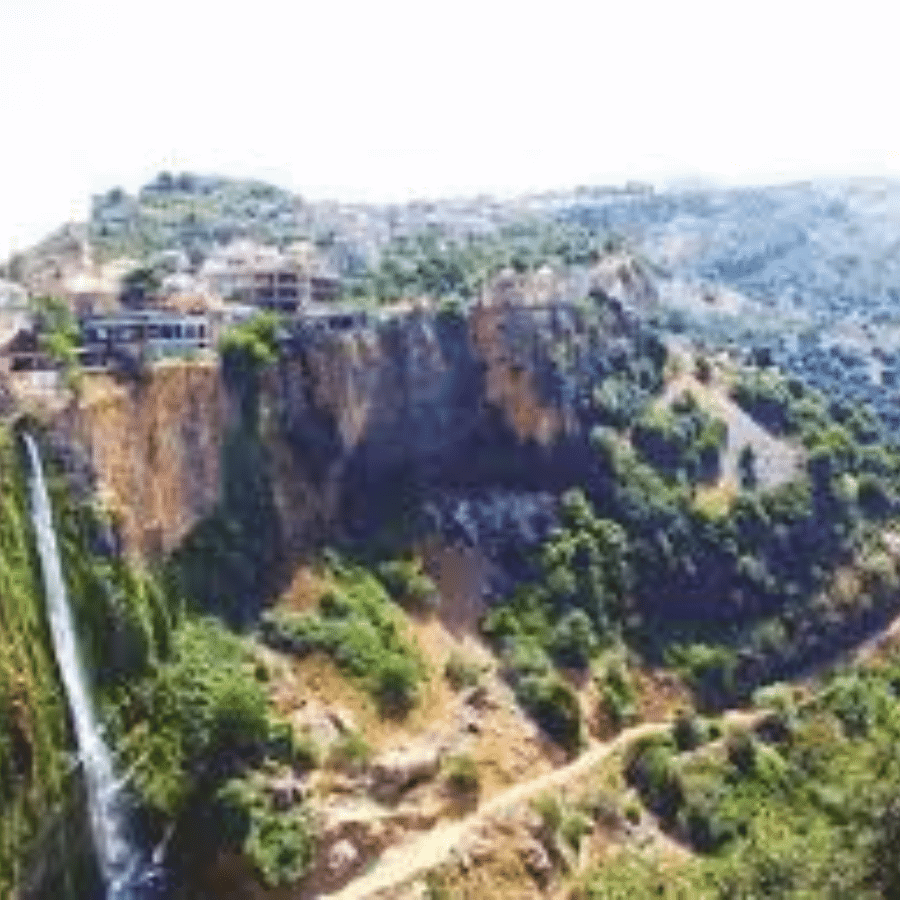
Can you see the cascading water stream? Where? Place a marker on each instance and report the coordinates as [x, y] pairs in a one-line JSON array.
[[126, 871]]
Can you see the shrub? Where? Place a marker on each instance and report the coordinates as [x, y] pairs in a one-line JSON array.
[[396, 683], [633, 812], [688, 731], [709, 667], [574, 826], [462, 671], [617, 696], [549, 808], [462, 775], [604, 808], [702, 369], [351, 752], [574, 641], [554, 706], [451, 311], [205, 714], [279, 843], [742, 751], [305, 752], [408, 584], [251, 345], [703, 817], [651, 768]]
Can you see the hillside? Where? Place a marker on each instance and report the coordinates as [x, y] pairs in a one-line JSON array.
[[393, 577], [478, 596]]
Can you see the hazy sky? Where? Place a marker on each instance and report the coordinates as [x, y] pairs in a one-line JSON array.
[[387, 99]]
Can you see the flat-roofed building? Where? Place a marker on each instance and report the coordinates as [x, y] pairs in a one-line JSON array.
[[142, 336], [265, 277]]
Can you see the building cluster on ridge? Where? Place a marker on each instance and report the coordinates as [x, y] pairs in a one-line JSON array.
[[124, 310]]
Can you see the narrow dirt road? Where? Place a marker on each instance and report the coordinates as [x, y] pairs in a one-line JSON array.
[[426, 851]]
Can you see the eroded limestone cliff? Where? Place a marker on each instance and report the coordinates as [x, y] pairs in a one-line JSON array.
[[350, 419], [151, 448]]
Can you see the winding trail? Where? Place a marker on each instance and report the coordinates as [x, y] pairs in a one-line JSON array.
[[426, 851]]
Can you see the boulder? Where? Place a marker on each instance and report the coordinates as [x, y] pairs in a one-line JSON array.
[[537, 860], [341, 858], [398, 770], [316, 722]]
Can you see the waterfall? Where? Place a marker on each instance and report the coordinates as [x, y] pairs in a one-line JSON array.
[[127, 873]]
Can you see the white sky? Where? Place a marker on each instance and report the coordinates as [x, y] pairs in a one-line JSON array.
[[386, 99]]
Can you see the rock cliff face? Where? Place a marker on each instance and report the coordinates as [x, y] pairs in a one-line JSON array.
[[150, 450], [353, 420]]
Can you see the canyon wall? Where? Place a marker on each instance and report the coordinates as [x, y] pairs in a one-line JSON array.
[[349, 418]]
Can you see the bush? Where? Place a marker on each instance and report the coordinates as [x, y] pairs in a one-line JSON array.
[[708, 667], [279, 843], [206, 714], [651, 768], [461, 671], [617, 696], [351, 752], [574, 640], [703, 817], [688, 731], [462, 775], [251, 345], [574, 826], [742, 751], [554, 706], [550, 809], [408, 584]]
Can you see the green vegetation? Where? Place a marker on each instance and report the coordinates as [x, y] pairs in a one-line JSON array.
[[429, 264], [200, 714], [617, 695], [461, 773], [681, 442], [279, 843], [462, 671], [732, 598], [33, 730], [783, 407], [59, 337], [563, 826], [408, 583], [181, 697], [350, 752], [358, 627], [804, 811], [229, 563], [253, 344]]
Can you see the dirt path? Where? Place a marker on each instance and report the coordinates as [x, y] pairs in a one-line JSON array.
[[427, 851]]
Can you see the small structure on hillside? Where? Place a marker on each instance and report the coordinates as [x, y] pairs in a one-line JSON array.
[[25, 352], [141, 336]]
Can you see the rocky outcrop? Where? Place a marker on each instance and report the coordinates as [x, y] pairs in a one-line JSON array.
[[398, 770]]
